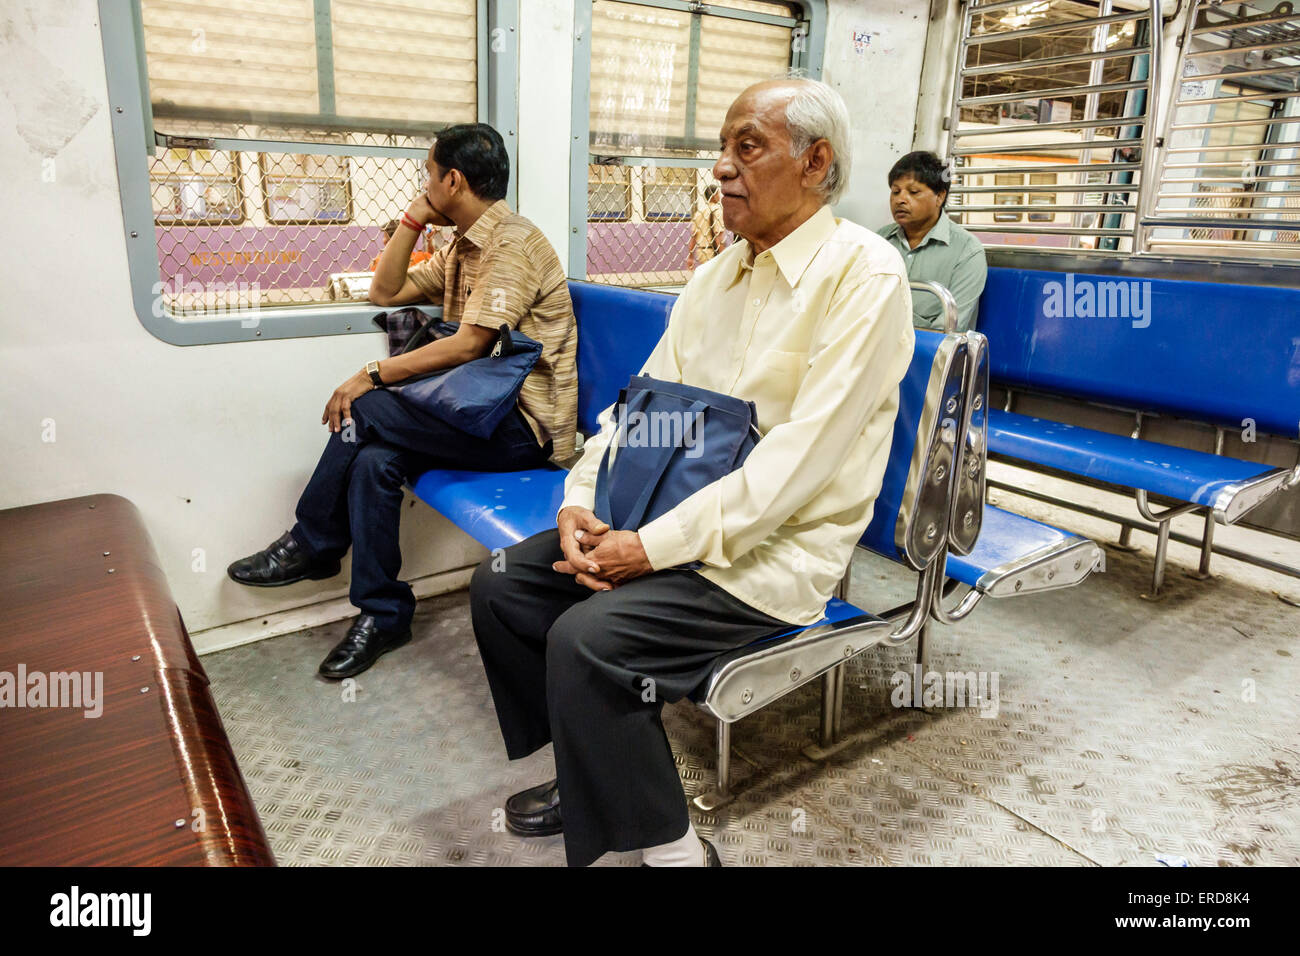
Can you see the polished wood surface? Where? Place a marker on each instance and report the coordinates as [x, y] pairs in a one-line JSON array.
[[152, 780]]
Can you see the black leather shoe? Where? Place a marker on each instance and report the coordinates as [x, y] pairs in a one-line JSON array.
[[535, 811], [711, 857], [364, 645], [282, 562]]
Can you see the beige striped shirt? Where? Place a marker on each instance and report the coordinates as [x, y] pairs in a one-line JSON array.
[[503, 270]]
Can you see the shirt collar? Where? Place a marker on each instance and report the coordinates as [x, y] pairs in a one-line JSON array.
[[481, 232], [795, 252], [941, 231]]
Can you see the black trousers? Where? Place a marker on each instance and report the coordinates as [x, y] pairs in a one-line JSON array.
[[354, 497], [590, 671]]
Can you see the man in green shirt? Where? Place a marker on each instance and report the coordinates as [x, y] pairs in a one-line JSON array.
[[934, 248]]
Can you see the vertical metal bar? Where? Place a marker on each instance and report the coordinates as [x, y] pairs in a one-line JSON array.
[[954, 116], [1207, 544], [1149, 196], [499, 80], [325, 57], [1207, 538], [1136, 103], [1091, 103], [580, 134], [142, 64], [1162, 546], [838, 715], [1150, 184], [829, 687], [483, 50], [693, 75], [1125, 533], [810, 51], [724, 761]]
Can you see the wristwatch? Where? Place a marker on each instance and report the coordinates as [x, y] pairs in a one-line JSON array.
[[372, 369]]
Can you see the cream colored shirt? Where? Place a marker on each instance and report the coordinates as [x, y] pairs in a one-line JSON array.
[[817, 332]]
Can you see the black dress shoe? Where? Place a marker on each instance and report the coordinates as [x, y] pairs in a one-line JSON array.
[[282, 562], [535, 811], [711, 857], [364, 645]]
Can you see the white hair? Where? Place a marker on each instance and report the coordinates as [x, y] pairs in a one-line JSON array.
[[816, 111]]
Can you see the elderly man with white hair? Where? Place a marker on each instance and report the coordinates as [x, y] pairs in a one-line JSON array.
[[587, 631]]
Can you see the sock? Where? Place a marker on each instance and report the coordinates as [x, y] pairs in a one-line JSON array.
[[688, 851]]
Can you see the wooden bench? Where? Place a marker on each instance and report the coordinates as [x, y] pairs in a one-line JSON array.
[[152, 779]]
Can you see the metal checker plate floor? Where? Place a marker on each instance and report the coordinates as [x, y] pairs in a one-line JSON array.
[[1124, 730]]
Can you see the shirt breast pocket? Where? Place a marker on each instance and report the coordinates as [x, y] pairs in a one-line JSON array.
[[782, 364], [776, 380]]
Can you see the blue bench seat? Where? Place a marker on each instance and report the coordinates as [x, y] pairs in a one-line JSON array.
[[1018, 555], [1156, 347], [496, 509], [1228, 486]]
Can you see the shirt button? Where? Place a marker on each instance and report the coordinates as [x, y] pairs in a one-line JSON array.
[[757, 301]]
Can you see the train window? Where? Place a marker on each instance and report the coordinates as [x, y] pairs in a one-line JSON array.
[[1042, 199], [1051, 93], [1231, 176], [278, 143], [661, 76], [1008, 199]]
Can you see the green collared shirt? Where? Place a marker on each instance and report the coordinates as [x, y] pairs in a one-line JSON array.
[[950, 256]]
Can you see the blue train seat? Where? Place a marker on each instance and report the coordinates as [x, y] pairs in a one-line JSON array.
[[939, 432], [618, 329], [1165, 357], [1017, 555]]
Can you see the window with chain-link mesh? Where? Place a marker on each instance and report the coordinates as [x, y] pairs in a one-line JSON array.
[[662, 78], [287, 142]]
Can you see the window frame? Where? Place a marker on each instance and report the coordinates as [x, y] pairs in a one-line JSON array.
[[134, 140], [812, 17]]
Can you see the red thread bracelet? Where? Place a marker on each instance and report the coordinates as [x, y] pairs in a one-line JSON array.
[[409, 222]]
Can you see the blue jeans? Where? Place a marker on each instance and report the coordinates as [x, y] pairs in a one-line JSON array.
[[354, 497]]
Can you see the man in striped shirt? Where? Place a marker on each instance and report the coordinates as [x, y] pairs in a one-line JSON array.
[[499, 270]]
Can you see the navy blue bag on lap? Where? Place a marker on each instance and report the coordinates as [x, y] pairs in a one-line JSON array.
[[671, 441], [476, 396]]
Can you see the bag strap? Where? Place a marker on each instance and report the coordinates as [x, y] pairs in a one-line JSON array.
[[602, 509], [658, 467]]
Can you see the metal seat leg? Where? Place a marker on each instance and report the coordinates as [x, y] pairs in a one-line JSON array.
[[721, 794], [839, 702], [830, 706], [1158, 572], [1124, 543], [1207, 548], [922, 660]]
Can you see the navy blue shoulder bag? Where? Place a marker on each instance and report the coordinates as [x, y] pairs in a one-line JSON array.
[[475, 396], [671, 440]]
